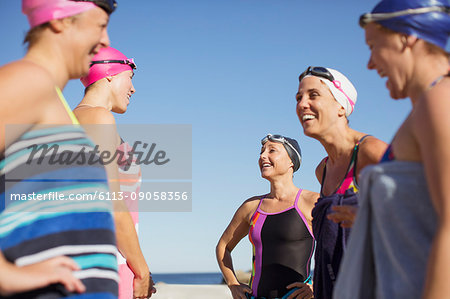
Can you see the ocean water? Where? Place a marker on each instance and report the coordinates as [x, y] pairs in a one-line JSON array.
[[188, 278]]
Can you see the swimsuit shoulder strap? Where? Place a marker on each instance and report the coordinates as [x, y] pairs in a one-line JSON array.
[[297, 197], [323, 176], [72, 116], [355, 156]]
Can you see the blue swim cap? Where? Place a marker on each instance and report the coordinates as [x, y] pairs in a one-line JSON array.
[[426, 19]]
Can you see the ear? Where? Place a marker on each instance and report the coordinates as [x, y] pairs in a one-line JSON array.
[[341, 111], [408, 40], [58, 25]]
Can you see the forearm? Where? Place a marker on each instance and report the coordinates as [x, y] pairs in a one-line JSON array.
[[128, 242], [438, 265], [226, 265]]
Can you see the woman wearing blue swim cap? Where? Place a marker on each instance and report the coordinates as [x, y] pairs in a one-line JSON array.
[[400, 245]]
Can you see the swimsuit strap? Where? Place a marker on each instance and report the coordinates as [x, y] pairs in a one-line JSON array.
[[438, 79], [297, 197], [72, 116], [350, 175], [295, 202]]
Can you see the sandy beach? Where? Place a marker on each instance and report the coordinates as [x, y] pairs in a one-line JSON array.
[[184, 291]]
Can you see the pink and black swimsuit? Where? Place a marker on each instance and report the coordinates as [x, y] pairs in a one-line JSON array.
[[283, 245]]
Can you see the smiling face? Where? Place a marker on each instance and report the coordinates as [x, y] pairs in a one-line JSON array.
[[389, 57], [86, 35], [317, 109], [121, 90], [274, 160]]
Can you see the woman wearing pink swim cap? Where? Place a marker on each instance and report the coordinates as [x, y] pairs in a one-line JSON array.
[[109, 88], [53, 249], [325, 99]]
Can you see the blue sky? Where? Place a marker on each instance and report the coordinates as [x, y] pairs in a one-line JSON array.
[[230, 69]]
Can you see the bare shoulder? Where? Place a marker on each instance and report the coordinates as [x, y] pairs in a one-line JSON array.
[[310, 197], [94, 115], [431, 111], [248, 208], [319, 170], [371, 149], [25, 85], [438, 96]]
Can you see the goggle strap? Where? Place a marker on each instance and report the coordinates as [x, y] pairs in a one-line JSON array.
[[129, 62], [369, 17]]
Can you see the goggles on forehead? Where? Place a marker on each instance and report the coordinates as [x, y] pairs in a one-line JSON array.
[[374, 17], [317, 71], [108, 5], [279, 139], [323, 72], [129, 61]]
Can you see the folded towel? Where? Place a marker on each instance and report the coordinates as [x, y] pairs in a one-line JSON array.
[[331, 242], [391, 238]]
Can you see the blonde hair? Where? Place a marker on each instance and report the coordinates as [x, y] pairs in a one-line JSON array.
[[35, 33]]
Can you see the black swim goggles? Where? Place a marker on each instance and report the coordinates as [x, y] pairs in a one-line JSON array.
[[129, 61], [317, 71], [107, 5], [374, 17], [283, 140]]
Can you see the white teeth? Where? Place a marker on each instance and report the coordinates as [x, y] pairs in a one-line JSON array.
[[308, 116], [266, 165]]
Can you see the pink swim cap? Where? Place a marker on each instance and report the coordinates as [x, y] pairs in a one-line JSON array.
[[107, 62], [43, 11]]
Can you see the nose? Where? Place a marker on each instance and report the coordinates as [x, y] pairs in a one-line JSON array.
[[302, 104], [370, 64], [132, 90], [104, 41]]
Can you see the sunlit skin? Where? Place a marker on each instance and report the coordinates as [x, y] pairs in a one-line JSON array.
[[274, 161], [323, 119], [276, 167], [107, 95], [90, 30], [315, 98], [62, 51], [121, 90], [424, 135]]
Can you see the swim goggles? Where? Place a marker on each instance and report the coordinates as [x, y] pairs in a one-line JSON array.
[[280, 139], [323, 72], [108, 5], [129, 61], [374, 17]]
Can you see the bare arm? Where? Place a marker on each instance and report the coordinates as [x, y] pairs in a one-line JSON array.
[[370, 152], [236, 230], [431, 125], [101, 126]]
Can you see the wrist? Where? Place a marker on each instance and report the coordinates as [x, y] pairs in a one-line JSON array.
[[141, 272]]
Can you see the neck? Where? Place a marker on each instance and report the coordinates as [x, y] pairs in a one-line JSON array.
[[97, 96], [339, 143], [50, 59], [427, 69], [282, 188]]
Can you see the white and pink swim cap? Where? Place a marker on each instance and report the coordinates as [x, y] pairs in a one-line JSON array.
[[107, 62], [42, 11]]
